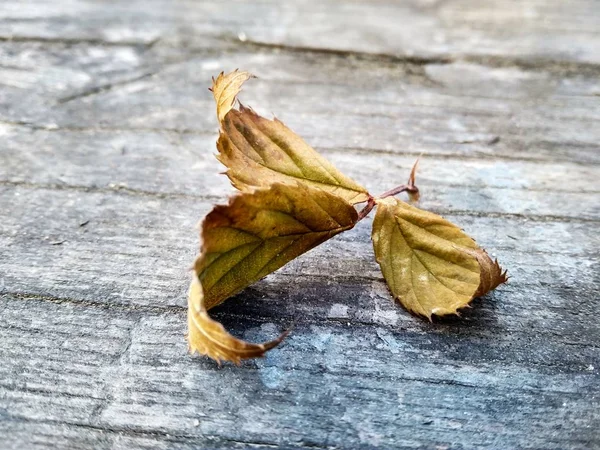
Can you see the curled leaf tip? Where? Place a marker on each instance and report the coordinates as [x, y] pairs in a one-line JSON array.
[[491, 274], [208, 337], [225, 89]]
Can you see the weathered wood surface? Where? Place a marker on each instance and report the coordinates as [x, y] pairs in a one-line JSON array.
[[106, 167]]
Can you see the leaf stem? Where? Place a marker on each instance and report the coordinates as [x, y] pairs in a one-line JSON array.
[[367, 209], [398, 189], [413, 192]]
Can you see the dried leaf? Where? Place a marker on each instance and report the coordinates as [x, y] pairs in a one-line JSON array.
[[252, 236], [225, 88], [430, 265], [258, 232], [292, 199], [259, 152], [208, 337]]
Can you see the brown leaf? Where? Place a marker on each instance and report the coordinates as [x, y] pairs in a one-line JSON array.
[[259, 152], [225, 89], [208, 337], [430, 265], [491, 275], [257, 233]]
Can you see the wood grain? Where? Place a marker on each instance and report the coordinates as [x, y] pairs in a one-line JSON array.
[[106, 168]]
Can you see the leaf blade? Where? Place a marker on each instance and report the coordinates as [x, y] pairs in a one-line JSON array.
[[276, 224], [430, 265], [259, 152], [255, 234]]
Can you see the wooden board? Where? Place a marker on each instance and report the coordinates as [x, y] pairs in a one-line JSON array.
[[106, 168]]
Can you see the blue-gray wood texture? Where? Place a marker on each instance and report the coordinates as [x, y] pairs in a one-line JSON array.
[[107, 137]]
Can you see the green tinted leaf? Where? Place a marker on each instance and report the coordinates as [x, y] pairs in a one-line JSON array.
[[430, 265]]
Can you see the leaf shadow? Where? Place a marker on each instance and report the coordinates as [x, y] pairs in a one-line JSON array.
[[482, 312]]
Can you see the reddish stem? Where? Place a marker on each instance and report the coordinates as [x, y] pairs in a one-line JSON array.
[[398, 189], [408, 187], [367, 209]]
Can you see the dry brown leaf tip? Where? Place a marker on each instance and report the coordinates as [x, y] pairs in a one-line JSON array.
[[491, 275], [225, 89]]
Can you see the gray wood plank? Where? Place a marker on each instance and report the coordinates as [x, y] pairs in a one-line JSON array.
[[119, 378], [167, 163], [106, 167], [36, 77], [538, 30], [459, 108], [130, 235]]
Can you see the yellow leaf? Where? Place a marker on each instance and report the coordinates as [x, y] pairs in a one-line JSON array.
[[430, 265], [259, 152], [254, 235], [208, 337], [225, 88]]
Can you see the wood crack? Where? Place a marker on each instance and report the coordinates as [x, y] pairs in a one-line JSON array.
[[140, 432], [554, 66], [78, 41], [51, 127], [120, 189], [106, 87], [413, 60], [473, 156], [284, 320], [115, 189], [174, 309]]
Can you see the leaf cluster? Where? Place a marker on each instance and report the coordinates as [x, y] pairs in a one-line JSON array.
[[292, 199]]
